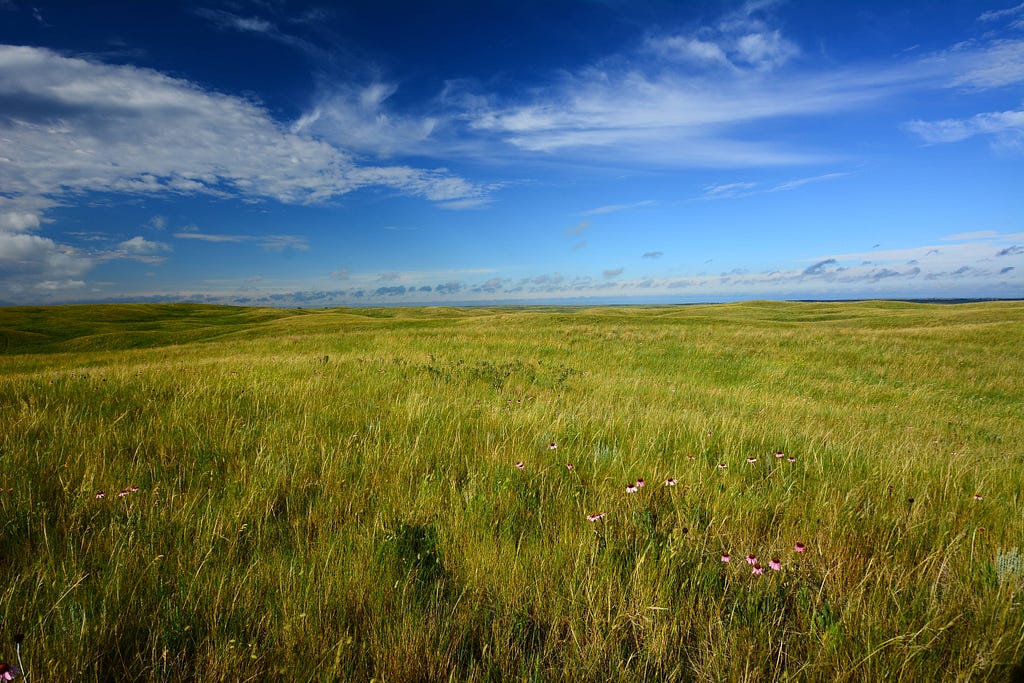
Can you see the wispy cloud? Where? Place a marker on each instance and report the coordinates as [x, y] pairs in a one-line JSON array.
[[653, 254], [261, 26], [745, 189], [1014, 14], [268, 242], [579, 229], [1006, 126], [76, 125], [976, 235], [613, 208]]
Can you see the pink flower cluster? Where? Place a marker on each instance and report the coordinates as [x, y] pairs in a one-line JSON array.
[[100, 495], [756, 568]]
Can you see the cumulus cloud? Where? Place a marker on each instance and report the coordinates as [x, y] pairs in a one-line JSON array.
[[140, 249], [15, 221], [27, 260]]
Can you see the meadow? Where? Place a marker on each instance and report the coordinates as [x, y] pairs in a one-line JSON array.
[[436, 494]]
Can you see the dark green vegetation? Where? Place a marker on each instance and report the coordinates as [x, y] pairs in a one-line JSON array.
[[333, 495]]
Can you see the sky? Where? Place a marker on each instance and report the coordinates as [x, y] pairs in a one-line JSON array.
[[375, 152]]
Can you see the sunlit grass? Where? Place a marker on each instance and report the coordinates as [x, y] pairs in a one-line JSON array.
[[333, 495]]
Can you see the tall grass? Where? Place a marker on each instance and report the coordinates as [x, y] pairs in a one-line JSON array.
[[332, 495]]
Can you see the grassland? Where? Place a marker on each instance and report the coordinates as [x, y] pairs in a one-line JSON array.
[[333, 495]]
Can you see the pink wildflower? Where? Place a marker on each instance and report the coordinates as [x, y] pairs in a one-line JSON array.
[[799, 547], [670, 482], [757, 569], [631, 488], [100, 494], [8, 672], [751, 558], [122, 493], [726, 557], [791, 458], [775, 565], [780, 454], [520, 465], [640, 483], [596, 516], [978, 496], [751, 459], [569, 466], [722, 465], [553, 446]]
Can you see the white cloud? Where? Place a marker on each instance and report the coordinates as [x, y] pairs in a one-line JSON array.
[[268, 242], [689, 49], [976, 235], [16, 221], [999, 15], [1007, 125], [983, 66], [613, 208], [74, 125], [140, 249], [745, 189], [357, 119], [765, 51], [26, 260]]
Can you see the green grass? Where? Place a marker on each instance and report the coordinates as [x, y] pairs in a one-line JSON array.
[[332, 494]]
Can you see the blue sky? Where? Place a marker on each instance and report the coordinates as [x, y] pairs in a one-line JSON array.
[[376, 152]]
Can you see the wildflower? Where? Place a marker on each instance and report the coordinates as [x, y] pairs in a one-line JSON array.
[[722, 465], [751, 558], [775, 564], [757, 569], [100, 494], [631, 488], [569, 466], [520, 465], [133, 489], [799, 547], [8, 672], [122, 493], [751, 459], [553, 446], [791, 458], [978, 496], [726, 557], [780, 454], [690, 457], [596, 516], [640, 483], [670, 482]]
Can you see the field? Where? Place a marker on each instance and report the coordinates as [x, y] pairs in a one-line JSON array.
[[387, 494]]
